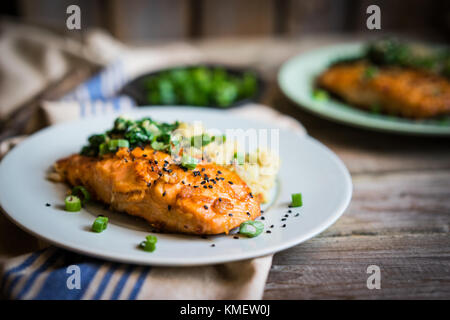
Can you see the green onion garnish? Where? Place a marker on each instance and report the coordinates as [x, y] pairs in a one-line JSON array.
[[251, 229], [320, 95], [297, 200], [82, 193], [118, 143], [240, 157], [73, 203], [100, 224], [370, 72], [188, 162], [158, 145], [149, 244]]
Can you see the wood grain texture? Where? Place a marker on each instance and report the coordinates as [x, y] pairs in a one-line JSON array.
[[235, 17]]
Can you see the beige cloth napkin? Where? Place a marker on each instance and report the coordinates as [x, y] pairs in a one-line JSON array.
[[236, 280]]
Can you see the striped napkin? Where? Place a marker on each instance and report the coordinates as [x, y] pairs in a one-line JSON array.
[[53, 273]]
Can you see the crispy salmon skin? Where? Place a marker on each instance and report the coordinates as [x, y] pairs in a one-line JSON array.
[[147, 183], [407, 92]]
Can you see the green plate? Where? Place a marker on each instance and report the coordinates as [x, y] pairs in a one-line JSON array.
[[296, 80]]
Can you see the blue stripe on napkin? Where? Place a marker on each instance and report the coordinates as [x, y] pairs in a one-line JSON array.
[[48, 279]]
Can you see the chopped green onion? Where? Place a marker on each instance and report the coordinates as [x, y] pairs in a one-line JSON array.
[[320, 95], [73, 203], [370, 72], [188, 162], [118, 143], [152, 239], [240, 157], [158, 145], [201, 140], [149, 244], [297, 200], [82, 193], [251, 229], [103, 149], [100, 224]]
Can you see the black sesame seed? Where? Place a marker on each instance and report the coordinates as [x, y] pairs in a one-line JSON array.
[[230, 214], [205, 187], [205, 206], [183, 182], [164, 193], [156, 161], [289, 211], [203, 169], [286, 216], [251, 195], [210, 186], [284, 219], [169, 207], [283, 226], [268, 231], [47, 204], [297, 215], [149, 184], [262, 218], [272, 226], [219, 172], [220, 199], [144, 155], [230, 182], [195, 186], [248, 213], [213, 245], [235, 237]]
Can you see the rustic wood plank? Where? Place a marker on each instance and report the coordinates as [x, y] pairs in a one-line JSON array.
[[397, 203], [143, 20], [412, 266], [237, 18]]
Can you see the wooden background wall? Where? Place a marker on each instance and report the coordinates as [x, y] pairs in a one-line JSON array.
[[149, 20]]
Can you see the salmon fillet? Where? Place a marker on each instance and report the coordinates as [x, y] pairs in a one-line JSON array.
[[147, 183], [400, 91]]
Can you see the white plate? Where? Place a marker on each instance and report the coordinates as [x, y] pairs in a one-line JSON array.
[[307, 167]]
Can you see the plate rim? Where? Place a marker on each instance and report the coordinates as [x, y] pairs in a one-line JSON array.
[[214, 259], [363, 120]]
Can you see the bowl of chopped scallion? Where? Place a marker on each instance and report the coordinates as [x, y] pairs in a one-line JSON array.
[[214, 86]]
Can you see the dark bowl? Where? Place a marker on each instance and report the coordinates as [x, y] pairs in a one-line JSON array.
[[137, 91]]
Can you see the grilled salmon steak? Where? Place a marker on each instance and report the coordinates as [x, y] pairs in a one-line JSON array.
[[147, 183], [393, 90]]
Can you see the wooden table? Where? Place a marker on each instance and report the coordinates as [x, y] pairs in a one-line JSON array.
[[399, 215]]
